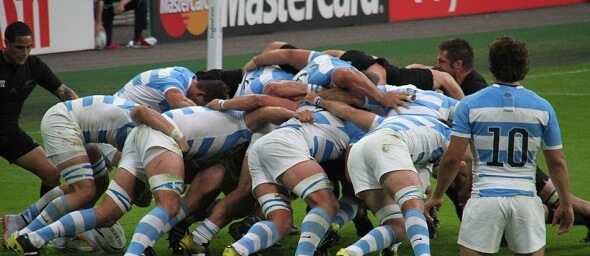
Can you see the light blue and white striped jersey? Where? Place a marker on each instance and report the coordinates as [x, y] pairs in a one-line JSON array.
[[508, 127], [318, 71], [209, 133], [428, 103], [336, 134], [254, 81], [102, 119], [148, 88], [426, 137]]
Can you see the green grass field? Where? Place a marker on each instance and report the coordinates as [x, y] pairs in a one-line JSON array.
[[560, 72]]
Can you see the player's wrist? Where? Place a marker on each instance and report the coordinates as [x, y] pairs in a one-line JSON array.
[[176, 134], [221, 102]]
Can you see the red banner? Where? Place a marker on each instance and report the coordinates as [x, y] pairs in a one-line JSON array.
[[425, 9]]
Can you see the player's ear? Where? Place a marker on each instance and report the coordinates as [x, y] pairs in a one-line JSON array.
[[458, 64]]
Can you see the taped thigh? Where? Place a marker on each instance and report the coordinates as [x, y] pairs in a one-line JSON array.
[[77, 173], [408, 193], [119, 196], [166, 182], [312, 184], [391, 211], [274, 201]]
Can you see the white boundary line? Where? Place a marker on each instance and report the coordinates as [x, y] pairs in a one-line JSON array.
[[559, 73]]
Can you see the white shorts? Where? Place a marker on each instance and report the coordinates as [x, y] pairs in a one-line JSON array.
[[276, 152], [62, 136], [520, 218], [142, 145], [375, 155]]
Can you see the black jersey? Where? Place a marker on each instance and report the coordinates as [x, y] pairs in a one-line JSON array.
[[472, 83], [16, 83]]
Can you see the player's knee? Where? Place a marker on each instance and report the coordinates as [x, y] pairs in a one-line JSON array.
[[410, 195]]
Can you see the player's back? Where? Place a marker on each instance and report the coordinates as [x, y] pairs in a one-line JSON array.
[[509, 126], [328, 136], [319, 69], [426, 137], [209, 132], [102, 119], [149, 87], [255, 81]]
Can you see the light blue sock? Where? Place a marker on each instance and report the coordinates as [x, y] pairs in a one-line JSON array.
[[417, 232], [348, 209], [33, 211], [379, 238], [265, 233], [314, 227], [66, 226], [52, 212], [148, 230]]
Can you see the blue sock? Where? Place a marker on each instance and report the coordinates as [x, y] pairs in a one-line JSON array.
[[66, 226], [417, 231], [148, 230], [53, 211], [379, 238], [265, 232], [314, 227], [348, 209]]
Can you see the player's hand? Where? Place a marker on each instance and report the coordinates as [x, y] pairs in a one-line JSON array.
[[251, 65], [305, 116], [311, 97], [432, 202], [214, 104], [183, 144], [395, 99], [564, 216]]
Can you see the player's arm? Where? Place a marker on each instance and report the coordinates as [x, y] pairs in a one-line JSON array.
[[447, 170], [443, 80], [286, 89], [337, 94], [297, 58], [257, 119], [64, 93], [558, 173], [364, 120], [144, 115], [252, 102], [422, 66], [334, 53], [176, 99]]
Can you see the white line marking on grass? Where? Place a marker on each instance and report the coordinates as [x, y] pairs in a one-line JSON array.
[[559, 73]]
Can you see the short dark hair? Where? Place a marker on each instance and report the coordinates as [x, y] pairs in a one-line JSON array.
[[508, 59], [214, 89], [17, 28], [458, 49]]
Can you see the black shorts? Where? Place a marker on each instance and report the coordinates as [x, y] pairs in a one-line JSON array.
[[16, 144]]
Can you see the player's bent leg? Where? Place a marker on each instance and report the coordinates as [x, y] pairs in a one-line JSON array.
[[277, 209], [392, 224]]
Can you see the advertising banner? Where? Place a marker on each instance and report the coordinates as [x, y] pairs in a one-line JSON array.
[[57, 25], [424, 9], [188, 19]]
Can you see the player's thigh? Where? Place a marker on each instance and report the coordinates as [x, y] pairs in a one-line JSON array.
[[483, 215]]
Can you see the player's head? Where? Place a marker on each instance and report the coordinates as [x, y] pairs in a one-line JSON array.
[[18, 40], [454, 54], [202, 92], [508, 60]]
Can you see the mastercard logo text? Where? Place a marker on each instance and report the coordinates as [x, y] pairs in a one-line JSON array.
[[178, 16]]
